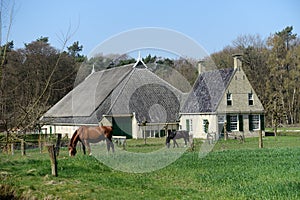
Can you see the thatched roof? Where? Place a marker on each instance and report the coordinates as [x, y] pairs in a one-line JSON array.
[[123, 90]]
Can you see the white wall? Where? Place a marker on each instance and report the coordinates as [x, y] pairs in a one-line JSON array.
[[64, 130], [197, 128]]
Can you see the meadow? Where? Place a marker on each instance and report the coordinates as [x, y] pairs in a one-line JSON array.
[[232, 170]]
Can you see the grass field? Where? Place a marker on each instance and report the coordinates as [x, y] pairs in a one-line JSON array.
[[233, 170]]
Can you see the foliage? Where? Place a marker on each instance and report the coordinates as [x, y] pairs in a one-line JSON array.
[[243, 173], [34, 78], [273, 68]]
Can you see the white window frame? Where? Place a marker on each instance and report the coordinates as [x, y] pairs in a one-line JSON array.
[[234, 124], [229, 99], [255, 123], [190, 123]]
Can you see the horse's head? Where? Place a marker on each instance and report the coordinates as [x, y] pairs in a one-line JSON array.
[[72, 151]]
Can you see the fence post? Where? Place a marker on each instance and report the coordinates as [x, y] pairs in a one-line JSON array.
[[57, 146], [225, 131], [52, 153], [260, 140], [12, 149], [40, 143], [23, 147]]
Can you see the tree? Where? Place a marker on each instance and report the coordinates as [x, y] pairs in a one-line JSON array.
[[284, 70], [6, 13], [35, 78], [74, 50]]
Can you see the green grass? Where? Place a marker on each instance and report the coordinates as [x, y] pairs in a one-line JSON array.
[[233, 170]]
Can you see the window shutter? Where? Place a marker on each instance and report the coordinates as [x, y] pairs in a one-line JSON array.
[[262, 122], [241, 123], [250, 123], [228, 123]]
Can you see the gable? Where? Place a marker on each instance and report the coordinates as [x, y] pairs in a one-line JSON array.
[[239, 88]]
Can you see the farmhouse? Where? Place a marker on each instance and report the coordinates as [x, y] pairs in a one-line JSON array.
[[220, 96], [127, 97], [137, 103]]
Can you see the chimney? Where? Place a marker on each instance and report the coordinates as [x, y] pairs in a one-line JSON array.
[[200, 66], [237, 61]]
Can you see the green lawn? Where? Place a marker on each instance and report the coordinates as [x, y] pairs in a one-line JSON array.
[[233, 170]]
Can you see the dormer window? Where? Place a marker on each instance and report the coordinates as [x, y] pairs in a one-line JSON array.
[[229, 99], [250, 99]]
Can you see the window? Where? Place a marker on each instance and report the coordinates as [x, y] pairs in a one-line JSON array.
[[254, 122], [234, 122], [221, 119], [250, 99], [229, 99], [205, 125], [189, 125]]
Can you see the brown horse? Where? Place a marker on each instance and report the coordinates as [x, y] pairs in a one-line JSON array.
[[87, 135]]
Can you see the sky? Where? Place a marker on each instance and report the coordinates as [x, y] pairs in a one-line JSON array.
[[212, 24]]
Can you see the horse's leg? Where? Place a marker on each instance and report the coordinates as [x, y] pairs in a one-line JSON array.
[[174, 142], [109, 144], [89, 148], [185, 141], [83, 147]]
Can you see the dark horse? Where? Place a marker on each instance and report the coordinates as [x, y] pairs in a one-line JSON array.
[[173, 135], [87, 135]]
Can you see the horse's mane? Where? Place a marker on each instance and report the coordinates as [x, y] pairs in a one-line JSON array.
[[74, 139]]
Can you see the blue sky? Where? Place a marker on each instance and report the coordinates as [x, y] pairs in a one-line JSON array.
[[212, 24]]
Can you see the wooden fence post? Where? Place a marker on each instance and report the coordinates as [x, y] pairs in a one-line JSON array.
[[260, 140], [12, 149], [40, 143], [23, 152], [57, 146], [225, 131], [52, 153]]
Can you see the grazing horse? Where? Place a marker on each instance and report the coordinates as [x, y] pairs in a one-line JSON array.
[[177, 135], [87, 135]]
